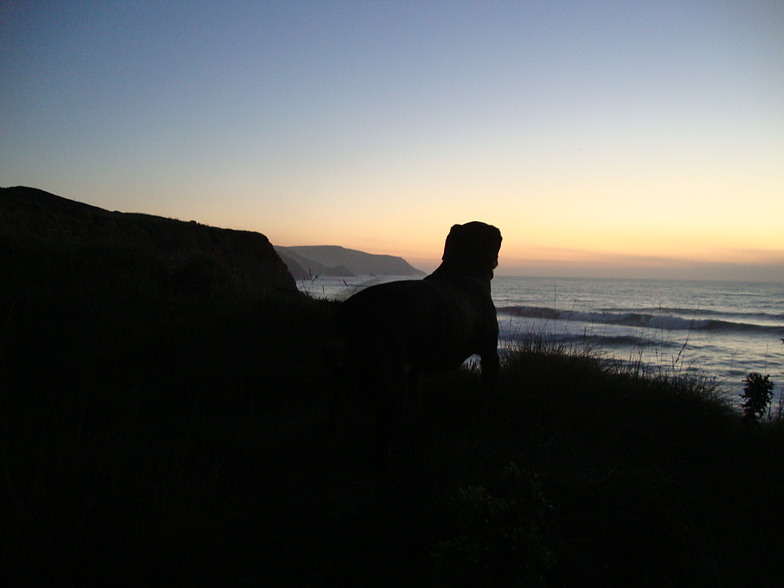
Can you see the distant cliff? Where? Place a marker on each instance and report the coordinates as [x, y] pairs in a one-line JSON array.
[[44, 237], [303, 268], [331, 260]]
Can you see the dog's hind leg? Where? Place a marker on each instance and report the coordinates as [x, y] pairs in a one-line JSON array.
[[414, 385], [337, 410], [389, 413], [390, 391], [341, 382]]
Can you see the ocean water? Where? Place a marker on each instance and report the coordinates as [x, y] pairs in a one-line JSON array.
[[722, 330]]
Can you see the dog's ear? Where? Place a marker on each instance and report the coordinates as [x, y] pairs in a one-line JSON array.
[[495, 244], [492, 245], [453, 240]]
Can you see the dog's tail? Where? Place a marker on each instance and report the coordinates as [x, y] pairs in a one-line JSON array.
[[335, 343], [335, 352], [335, 357]]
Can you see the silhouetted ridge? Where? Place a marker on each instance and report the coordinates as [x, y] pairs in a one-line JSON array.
[[42, 233], [333, 260]]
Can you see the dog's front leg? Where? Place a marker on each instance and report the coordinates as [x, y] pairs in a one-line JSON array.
[[491, 365]]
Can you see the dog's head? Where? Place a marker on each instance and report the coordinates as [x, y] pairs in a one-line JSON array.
[[473, 248]]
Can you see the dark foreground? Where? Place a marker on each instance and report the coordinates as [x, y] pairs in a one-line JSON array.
[[176, 439]]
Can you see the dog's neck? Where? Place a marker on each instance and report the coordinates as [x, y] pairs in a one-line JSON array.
[[460, 270]]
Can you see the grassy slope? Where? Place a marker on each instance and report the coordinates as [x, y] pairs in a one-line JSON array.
[[175, 437]]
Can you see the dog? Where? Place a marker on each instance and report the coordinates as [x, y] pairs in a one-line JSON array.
[[390, 334]]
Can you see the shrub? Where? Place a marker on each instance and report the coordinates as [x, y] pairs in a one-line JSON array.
[[758, 392], [499, 542]]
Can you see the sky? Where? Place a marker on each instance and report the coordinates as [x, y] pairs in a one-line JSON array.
[[604, 138]]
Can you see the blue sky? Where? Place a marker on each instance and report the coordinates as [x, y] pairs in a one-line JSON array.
[[603, 138]]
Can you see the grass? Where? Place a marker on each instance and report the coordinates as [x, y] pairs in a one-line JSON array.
[[165, 436]]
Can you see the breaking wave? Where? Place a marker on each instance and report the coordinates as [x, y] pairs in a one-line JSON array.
[[649, 320]]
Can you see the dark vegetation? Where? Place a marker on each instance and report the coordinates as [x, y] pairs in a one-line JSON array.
[[160, 433]]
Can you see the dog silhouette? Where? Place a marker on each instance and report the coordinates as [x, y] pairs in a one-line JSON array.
[[390, 334]]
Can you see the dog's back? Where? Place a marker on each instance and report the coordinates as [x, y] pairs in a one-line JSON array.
[[432, 324]]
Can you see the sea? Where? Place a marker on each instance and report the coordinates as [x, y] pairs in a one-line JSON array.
[[721, 331]]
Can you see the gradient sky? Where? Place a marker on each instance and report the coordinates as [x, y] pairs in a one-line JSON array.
[[637, 139]]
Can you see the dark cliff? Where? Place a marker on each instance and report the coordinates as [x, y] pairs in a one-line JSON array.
[[46, 239]]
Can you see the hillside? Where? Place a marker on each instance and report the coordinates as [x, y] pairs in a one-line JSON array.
[[40, 232], [157, 430], [332, 260]]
